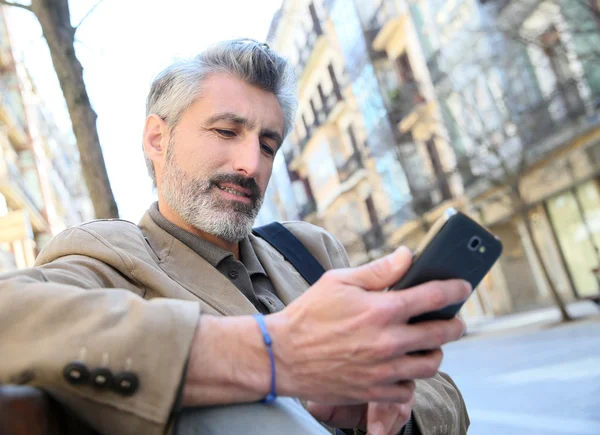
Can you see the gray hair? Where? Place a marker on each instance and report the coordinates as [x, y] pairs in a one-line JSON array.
[[177, 87]]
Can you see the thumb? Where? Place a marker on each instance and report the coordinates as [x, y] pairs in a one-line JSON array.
[[320, 411], [338, 416], [381, 273]]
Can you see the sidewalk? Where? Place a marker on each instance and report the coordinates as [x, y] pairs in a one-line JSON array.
[[533, 319]]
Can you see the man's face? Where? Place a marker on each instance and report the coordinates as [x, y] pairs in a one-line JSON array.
[[220, 157]]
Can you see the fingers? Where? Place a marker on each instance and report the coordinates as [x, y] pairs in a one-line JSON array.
[[427, 297], [388, 418], [430, 335], [397, 392], [381, 273], [338, 416], [416, 366]]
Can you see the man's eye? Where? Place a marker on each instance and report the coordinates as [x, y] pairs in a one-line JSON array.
[[226, 133], [268, 149]]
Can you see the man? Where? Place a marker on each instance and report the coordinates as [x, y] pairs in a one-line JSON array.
[[149, 328]]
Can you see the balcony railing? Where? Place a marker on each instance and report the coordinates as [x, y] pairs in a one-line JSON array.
[[372, 24], [321, 114], [307, 208], [289, 154], [350, 166], [373, 238], [403, 100], [16, 177], [385, 11], [539, 129], [397, 219], [564, 104], [309, 132], [331, 100], [435, 71], [463, 166], [312, 35]]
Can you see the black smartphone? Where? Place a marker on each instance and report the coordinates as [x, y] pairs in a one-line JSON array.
[[456, 247]]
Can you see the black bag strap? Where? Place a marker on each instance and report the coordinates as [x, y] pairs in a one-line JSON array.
[[292, 249]]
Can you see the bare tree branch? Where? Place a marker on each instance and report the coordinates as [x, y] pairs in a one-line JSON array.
[[18, 5], [92, 9]]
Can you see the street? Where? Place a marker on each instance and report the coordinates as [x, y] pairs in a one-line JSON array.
[[541, 382]]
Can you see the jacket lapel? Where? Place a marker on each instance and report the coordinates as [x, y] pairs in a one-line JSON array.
[[193, 272], [286, 280]]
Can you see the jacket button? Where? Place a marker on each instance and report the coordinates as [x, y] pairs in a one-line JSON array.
[[233, 274], [102, 378], [76, 373], [126, 383]]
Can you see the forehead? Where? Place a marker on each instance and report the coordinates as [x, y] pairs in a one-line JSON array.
[[223, 93]]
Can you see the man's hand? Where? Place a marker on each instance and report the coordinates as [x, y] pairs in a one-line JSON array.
[[345, 342], [377, 418]]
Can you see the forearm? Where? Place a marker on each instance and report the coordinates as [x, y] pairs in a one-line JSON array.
[[229, 362], [45, 326]]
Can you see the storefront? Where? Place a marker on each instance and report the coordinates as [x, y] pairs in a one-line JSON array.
[[575, 219]]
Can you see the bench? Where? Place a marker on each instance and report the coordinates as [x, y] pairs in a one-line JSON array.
[[26, 410]]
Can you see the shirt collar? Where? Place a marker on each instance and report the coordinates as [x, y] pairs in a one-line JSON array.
[[209, 251]]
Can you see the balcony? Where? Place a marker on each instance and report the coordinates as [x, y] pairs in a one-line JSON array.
[[435, 71], [537, 130], [289, 153], [394, 221], [14, 189], [403, 100], [350, 167], [310, 130], [463, 166], [321, 114], [562, 106], [514, 12], [373, 238], [312, 36], [330, 100], [16, 177], [307, 209], [16, 131], [383, 13]]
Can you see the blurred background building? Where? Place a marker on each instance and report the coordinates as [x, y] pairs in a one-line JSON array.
[[41, 189], [409, 107]]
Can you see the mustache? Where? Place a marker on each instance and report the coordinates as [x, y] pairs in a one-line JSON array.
[[248, 183]]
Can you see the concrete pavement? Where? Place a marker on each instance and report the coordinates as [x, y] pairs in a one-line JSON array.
[[533, 379]]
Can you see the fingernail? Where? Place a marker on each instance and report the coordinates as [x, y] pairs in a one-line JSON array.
[[376, 429], [402, 251]]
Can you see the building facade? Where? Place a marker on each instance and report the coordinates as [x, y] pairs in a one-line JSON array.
[[41, 189], [517, 86], [409, 107]]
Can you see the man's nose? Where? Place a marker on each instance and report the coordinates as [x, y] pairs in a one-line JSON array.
[[246, 159]]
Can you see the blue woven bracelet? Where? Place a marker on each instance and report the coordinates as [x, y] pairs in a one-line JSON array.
[[268, 342]]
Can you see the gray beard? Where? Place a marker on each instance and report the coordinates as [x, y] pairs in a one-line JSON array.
[[199, 205]]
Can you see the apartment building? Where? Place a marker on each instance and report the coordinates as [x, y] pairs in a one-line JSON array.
[[517, 83], [41, 189], [408, 107]]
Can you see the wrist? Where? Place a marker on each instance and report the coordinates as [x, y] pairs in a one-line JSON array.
[[228, 363], [278, 326]]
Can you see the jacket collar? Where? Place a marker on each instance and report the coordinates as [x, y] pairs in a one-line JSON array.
[[198, 276], [193, 272]]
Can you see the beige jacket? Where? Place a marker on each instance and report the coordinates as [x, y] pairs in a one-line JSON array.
[[112, 294]]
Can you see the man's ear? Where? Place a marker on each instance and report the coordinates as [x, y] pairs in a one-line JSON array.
[[156, 139]]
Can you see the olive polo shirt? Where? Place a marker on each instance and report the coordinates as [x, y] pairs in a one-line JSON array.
[[247, 274]]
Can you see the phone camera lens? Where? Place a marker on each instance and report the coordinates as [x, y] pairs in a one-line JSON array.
[[474, 243]]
